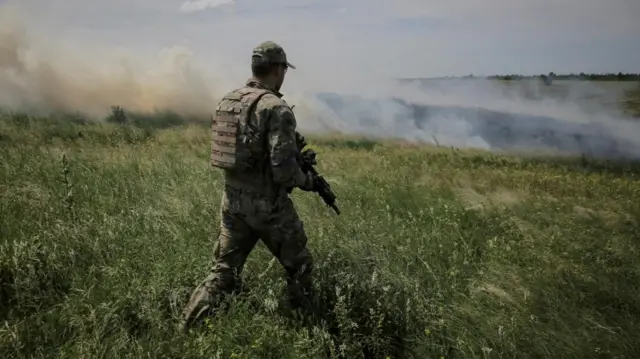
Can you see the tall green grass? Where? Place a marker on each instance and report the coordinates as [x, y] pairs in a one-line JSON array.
[[439, 253]]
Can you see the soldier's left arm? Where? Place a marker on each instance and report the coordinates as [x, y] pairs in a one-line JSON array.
[[283, 147]]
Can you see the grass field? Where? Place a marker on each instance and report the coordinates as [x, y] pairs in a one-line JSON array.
[[439, 253]]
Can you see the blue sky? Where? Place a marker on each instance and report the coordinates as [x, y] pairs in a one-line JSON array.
[[395, 38]]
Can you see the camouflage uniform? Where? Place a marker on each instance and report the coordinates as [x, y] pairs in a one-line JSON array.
[[259, 161]]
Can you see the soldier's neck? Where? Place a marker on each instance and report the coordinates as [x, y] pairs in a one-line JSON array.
[[267, 82]]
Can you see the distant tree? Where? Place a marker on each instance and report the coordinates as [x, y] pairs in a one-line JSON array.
[[117, 115], [548, 78]]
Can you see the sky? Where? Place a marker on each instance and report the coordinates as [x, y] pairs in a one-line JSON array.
[[396, 38]]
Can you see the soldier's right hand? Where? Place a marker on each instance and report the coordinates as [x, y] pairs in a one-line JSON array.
[[310, 183], [309, 156]]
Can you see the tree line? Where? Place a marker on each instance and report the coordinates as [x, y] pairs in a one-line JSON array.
[[620, 76]]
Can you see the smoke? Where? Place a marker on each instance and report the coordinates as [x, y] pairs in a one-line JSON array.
[[42, 73], [568, 117]]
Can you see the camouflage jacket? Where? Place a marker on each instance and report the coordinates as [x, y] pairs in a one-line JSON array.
[[276, 168]]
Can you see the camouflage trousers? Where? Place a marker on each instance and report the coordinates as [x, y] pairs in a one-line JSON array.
[[245, 219]]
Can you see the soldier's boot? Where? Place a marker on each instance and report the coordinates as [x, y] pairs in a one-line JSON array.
[[205, 300], [201, 304], [300, 289]]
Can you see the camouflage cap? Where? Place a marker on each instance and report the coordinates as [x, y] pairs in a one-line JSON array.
[[271, 53]]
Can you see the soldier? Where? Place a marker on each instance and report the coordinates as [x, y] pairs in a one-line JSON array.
[[253, 141]]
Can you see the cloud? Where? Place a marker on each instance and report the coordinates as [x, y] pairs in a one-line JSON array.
[[199, 5]]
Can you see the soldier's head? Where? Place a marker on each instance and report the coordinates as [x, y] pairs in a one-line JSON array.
[[269, 64]]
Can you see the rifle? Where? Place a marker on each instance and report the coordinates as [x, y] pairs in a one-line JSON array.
[[307, 160]]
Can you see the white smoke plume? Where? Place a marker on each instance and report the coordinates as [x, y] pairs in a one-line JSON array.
[[40, 74]]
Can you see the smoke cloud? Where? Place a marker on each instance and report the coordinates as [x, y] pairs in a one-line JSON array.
[[45, 76], [41, 72]]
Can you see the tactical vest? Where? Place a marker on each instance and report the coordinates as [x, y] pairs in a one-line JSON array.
[[236, 144]]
